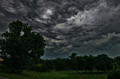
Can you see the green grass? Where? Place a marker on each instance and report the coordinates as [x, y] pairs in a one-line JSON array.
[[55, 75]]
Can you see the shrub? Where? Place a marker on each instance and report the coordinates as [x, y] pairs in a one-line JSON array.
[[40, 67], [114, 75]]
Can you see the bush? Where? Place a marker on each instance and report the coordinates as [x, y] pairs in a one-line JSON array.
[[40, 67], [114, 75], [37, 67]]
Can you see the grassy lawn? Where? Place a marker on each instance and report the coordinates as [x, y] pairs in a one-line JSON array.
[[55, 75]]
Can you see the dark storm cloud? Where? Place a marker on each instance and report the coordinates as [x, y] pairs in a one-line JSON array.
[[113, 2], [81, 26]]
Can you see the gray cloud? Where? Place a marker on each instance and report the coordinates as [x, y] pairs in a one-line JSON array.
[[81, 26]]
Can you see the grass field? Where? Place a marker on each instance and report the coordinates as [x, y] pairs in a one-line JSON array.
[[55, 75]]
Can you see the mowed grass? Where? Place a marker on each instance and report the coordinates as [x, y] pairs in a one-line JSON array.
[[55, 75]]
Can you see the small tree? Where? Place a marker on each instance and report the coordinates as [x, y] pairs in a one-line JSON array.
[[73, 60], [115, 73], [116, 66], [117, 60], [19, 46]]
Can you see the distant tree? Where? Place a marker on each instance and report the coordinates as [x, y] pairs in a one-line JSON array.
[[73, 60], [80, 62], [48, 65], [114, 75], [19, 46], [116, 66], [117, 60], [73, 55], [90, 63], [58, 64], [45, 66], [103, 62]]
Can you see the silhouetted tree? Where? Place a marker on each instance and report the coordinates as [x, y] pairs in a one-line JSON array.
[[73, 55], [90, 63], [117, 60], [103, 62], [19, 46], [59, 64], [73, 61], [80, 63]]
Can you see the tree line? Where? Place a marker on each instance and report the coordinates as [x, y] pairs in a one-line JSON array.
[[101, 63]]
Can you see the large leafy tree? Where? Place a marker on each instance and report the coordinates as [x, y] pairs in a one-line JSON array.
[[19, 46]]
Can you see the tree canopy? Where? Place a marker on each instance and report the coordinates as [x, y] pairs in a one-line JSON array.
[[19, 46]]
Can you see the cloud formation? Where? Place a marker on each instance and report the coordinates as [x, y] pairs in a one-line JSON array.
[[81, 26]]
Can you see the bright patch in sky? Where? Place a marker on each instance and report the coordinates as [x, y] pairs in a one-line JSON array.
[[71, 18], [47, 14]]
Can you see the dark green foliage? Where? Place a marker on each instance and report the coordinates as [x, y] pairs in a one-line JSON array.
[[45, 66], [37, 67], [59, 64], [74, 62], [48, 65], [19, 46], [117, 60], [73, 55], [103, 62], [115, 66], [114, 75]]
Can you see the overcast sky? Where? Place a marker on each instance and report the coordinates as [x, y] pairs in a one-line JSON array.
[[81, 26]]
